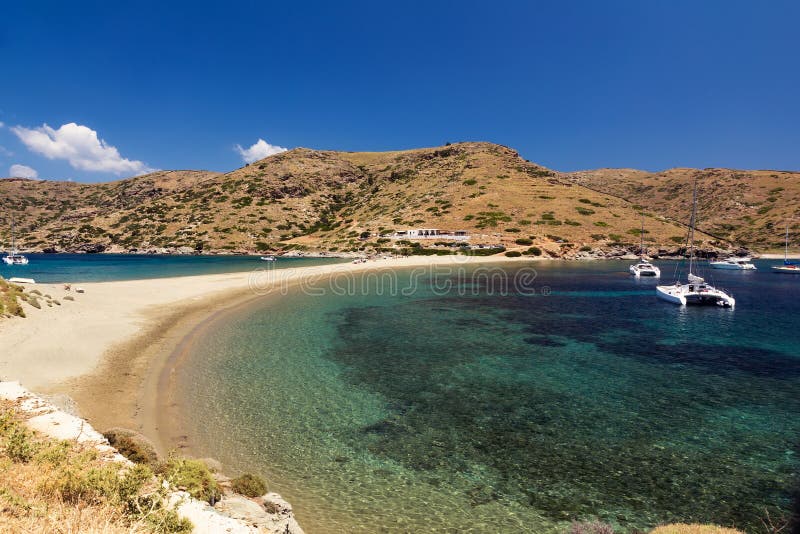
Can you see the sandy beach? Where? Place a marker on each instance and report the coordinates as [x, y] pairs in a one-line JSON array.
[[106, 349]]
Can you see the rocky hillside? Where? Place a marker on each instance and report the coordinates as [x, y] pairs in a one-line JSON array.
[[345, 201], [750, 208]]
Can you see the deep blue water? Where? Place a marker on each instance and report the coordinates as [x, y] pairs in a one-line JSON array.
[[57, 268], [469, 405]]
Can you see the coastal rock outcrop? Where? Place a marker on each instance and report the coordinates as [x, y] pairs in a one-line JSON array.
[[234, 514]]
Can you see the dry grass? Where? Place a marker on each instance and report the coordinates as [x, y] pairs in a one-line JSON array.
[[325, 200], [63, 487], [10, 295], [749, 207]]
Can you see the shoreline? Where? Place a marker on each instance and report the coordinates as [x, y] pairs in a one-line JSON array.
[[107, 350]]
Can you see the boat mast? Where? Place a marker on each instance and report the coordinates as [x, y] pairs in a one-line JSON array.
[[641, 234], [13, 241], [691, 226], [786, 246]]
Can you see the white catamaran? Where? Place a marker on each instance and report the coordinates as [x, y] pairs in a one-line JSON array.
[[13, 258], [644, 267], [788, 267], [695, 291]]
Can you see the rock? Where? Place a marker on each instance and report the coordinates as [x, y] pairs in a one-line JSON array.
[[91, 248], [270, 513], [215, 466], [242, 508]]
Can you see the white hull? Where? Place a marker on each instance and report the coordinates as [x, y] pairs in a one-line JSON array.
[[733, 266], [645, 270], [15, 260], [786, 269], [695, 295]]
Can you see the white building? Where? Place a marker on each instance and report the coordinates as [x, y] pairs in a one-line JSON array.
[[431, 233]]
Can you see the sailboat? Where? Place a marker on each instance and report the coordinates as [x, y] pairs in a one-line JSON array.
[[695, 291], [644, 267], [13, 258], [788, 267]]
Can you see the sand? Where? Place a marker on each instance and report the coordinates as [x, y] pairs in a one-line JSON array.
[[106, 349]]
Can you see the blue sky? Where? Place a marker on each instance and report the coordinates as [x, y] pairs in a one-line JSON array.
[[571, 85]]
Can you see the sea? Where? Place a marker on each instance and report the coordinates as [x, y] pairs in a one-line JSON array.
[[507, 398], [63, 268]]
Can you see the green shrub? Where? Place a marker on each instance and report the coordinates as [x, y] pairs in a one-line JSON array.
[[585, 248], [132, 446], [584, 211], [470, 182], [523, 241], [193, 476], [513, 254], [249, 485], [19, 445], [534, 251]]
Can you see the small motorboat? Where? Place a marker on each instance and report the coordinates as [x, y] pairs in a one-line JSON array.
[[734, 264], [268, 258]]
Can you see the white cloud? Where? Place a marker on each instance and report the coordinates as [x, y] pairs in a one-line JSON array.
[[260, 150], [5, 152], [2, 124], [80, 146], [22, 171]]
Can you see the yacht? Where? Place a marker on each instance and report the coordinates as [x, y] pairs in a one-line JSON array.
[[644, 267], [734, 264], [268, 258], [13, 258], [695, 291], [788, 267]]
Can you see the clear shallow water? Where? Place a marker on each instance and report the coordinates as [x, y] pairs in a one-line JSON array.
[[476, 410], [57, 268]]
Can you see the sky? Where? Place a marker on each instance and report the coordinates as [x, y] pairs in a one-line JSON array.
[[97, 91]]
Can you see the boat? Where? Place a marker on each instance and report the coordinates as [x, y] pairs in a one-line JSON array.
[[695, 291], [644, 267], [734, 264], [15, 280], [788, 267], [13, 258], [268, 258]]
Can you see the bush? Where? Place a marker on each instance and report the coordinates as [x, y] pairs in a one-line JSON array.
[[132, 445], [19, 445], [534, 251], [249, 485], [513, 254], [523, 241], [585, 248], [192, 476], [470, 182]]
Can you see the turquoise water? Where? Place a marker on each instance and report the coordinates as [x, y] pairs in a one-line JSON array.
[[58, 268], [472, 404]]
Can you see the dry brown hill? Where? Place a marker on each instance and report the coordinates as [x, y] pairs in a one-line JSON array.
[[750, 208], [344, 201]]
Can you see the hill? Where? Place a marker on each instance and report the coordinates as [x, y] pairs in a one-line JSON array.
[[349, 201], [750, 208]]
